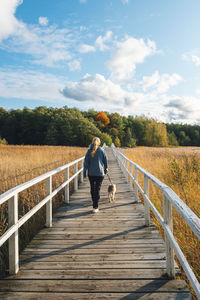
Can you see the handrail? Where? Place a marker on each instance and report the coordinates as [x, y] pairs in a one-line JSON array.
[[169, 198], [11, 234]]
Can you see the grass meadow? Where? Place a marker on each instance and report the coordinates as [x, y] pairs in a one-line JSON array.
[[19, 164], [179, 168]]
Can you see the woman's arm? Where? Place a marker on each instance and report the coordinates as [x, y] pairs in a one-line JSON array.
[[105, 162], [86, 164]]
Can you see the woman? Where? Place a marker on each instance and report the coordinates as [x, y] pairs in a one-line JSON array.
[[97, 166]]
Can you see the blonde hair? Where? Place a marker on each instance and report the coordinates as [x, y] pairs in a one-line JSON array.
[[96, 142]]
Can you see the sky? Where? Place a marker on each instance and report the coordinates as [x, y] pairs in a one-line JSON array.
[[134, 57]]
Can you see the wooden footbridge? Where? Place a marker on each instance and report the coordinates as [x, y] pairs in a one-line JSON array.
[[114, 254]]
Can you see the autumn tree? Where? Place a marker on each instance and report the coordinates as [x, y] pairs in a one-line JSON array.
[[102, 118]]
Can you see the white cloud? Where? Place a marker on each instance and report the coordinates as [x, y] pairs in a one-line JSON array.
[[48, 45], [184, 109], [198, 92], [83, 1], [8, 23], [23, 84], [100, 41], [84, 48], [125, 1], [43, 21], [130, 52], [74, 65], [97, 89], [161, 83], [192, 58], [196, 60], [150, 81], [82, 28]]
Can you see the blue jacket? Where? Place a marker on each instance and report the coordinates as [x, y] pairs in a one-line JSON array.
[[97, 165]]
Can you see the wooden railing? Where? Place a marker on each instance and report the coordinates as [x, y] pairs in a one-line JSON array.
[[169, 198], [11, 196]]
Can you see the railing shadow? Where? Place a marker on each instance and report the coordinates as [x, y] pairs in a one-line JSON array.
[[81, 214], [88, 243], [149, 290]]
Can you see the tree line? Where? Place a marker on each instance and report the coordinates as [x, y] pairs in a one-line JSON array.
[[72, 127]]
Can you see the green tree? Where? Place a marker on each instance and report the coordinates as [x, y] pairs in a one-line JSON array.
[[3, 141], [51, 136], [129, 141], [184, 139], [172, 139], [106, 138], [117, 142], [156, 134], [116, 121], [138, 126]]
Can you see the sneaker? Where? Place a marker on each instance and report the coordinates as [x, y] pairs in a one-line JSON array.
[[95, 210]]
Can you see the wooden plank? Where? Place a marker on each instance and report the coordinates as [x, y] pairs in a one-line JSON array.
[[103, 240], [60, 235], [93, 274], [60, 257], [109, 250], [64, 285], [99, 246], [151, 264], [97, 296]]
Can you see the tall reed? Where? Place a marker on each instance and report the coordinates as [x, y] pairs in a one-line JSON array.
[[19, 164], [179, 168]]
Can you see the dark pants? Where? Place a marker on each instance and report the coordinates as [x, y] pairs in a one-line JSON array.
[[95, 185]]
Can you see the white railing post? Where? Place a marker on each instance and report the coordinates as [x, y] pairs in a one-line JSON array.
[[126, 169], [130, 171], [67, 186], [82, 171], [14, 239], [121, 163], [49, 203], [76, 178], [167, 213], [146, 205], [136, 180]]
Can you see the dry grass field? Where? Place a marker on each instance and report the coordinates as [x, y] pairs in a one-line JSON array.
[[19, 164], [179, 168]]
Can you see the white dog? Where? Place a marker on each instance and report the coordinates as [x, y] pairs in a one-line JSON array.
[[111, 192]]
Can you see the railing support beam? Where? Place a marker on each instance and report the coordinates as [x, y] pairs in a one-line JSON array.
[[67, 186], [14, 239], [167, 212], [130, 179], [82, 171], [135, 186], [146, 205], [49, 203], [76, 178]]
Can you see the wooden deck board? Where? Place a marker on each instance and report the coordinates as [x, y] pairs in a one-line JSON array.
[[108, 255]]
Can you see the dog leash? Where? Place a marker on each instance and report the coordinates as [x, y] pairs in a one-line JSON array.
[[109, 179]]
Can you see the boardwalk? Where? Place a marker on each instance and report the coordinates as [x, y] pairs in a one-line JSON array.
[[107, 255]]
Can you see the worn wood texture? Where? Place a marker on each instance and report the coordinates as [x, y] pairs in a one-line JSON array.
[[107, 255]]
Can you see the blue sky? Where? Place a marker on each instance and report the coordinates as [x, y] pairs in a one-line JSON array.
[[135, 57]]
